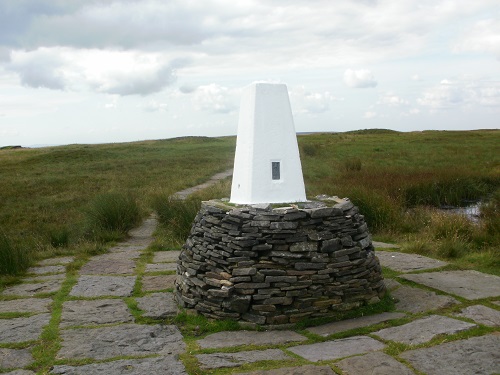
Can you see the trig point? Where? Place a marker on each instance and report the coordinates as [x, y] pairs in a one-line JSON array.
[[267, 165]]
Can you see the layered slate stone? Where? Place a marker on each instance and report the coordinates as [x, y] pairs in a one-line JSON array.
[[336, 349], [26, 305], [276, 266], [481, 314], [403, 262], [345, 325], [423, 330], [102, 286], [165, 365], [301, 370], [22, 329], [230, 339], [31, 289], [467, 284], [375, 363], [158, 305], [95, 312], [221, 360], [417, 300], [476, 355], [127, 339], [15, 358]]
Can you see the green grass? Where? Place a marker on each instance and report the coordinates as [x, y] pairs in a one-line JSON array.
[[46, 193]]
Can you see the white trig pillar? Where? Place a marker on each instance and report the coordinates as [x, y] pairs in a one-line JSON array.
[[267, 165]]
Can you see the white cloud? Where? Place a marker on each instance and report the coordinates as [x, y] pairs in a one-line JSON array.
[[483, 36], [359, 78], [393, 100], [453, 94], [370, 115], [154, 106], [214, 98], [304, 101]]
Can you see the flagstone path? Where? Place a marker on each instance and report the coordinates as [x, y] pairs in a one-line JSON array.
[[446, 322]]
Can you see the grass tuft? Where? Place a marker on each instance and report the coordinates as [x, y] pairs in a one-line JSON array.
[[13, 259]]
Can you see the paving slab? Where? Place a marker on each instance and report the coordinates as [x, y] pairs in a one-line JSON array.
[[126, 339], [166, 256], [403, 262], [481, 314], [375, 363], [31, 289], [160, 267], [423, 330], [26, 305], [129, 249], [14, 358], [391, 284], [166, 365], [95, 312], [42, 278], [345, 325], [221, 360], [101, 286], [467, 284], [22, 329], [47, 269], [145, 230], [476, 355], [335, 349], [301, 370], [161, 282], [496, 302], [384, 245], [54, 261], [158, 305], [102, 265], [237, 338], [415, 300], [19, 372]]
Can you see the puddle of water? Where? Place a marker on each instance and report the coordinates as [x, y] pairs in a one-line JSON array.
[[472, 212]]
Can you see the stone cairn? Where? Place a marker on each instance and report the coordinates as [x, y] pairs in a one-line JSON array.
[[274, 266]]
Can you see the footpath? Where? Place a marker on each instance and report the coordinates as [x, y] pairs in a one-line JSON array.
[[446, 322]]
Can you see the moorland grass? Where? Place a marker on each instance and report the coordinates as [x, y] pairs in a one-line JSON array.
[[395, 179]]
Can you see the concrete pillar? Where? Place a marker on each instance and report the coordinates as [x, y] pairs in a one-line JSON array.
[[267, 165]]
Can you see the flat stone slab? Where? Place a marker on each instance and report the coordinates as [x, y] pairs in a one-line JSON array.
[[391, 284], [129, 249], [160, 267], [42, 278], [403, 262], [19, 372], [383, 245], [54, 261], [466, 284], [108, 266], [477, 355], [101, 286], [481, 314], [158, 305], [101, 311], [423, 330], [126, 339], [345, 325], [301, 370], [151, 283], [166, 256], [47, 269], [26, 305], [29, 290], [415, 300], [237, 338], [220, 360], [375, 363], [22, 329], [167, 365], [329, 350], [12, 358], [145, 230]]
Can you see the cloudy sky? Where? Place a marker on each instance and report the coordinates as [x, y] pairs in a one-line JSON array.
[[95, 71]]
